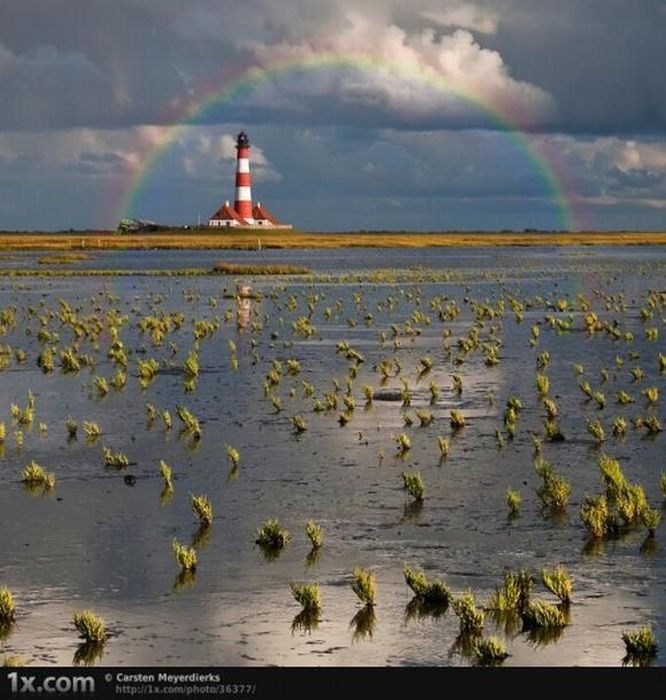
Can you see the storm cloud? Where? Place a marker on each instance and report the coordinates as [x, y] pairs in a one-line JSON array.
[[89, 88]]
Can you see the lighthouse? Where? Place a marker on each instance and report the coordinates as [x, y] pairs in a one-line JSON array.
[[243, 203], [244, 214]]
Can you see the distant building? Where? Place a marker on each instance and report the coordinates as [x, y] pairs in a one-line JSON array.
[[244, 214]]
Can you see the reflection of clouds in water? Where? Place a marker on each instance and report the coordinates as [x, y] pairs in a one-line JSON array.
[[111, 543]]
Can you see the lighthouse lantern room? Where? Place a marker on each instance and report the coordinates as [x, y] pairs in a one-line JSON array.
[[244, 214]]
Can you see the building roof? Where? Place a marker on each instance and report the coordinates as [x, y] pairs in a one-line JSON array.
[[227, 213], [259, 212]]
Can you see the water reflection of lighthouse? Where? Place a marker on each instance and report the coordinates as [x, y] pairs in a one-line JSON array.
[[243, 306]]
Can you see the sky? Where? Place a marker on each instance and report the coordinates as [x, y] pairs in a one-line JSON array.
[[382, 115]]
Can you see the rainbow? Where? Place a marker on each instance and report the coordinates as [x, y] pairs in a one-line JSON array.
[[210, 96]]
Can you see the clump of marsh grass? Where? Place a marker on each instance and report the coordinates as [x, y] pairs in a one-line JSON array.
[[233, 455], [314, 533], [513, 501], [202, 509], [299, 424], [403, 443], [413, 483], [271, 536], [541, 615], [167, 475], [307, 594], [542, 384], [651, 394], [623, 398], [619, 427], [190, 421], [558, 583], [92, 430], [652, 425], [470, 617], [34, 475], [641, 645], [166, 419], [364, 585], [595, 429], [435, 593], [650, 517], [457, 419], [553, 430], [443, 444], [90, 627], [513, 594], [186, 557], [595, 514], [489, 651], [7, 606], [119, 460], [425, 417], [102, 385], [554, 491]]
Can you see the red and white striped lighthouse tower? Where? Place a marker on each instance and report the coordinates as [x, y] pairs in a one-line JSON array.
[[243, 201]]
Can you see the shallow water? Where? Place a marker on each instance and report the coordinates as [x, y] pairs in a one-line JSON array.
[[96, 542]]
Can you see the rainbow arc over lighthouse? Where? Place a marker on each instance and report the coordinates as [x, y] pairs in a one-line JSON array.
[[213, 95]]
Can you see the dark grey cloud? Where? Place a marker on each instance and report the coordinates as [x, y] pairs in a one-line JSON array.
[[88, 86]]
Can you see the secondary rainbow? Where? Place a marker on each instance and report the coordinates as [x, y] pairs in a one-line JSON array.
[[234, 86]]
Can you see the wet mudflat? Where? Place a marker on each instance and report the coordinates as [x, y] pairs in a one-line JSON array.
[[373, 347]]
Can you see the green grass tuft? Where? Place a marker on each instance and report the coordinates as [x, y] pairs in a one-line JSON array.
[[641, 643], [364, 585], [413, 483], [202, 509], [543, 615], [90, 627], [489, 651], [271, 536], [431, 592], [35, 475], [7, 605], [558, 583], [307, 594], [186, 557], [471, 618], [315, 533]]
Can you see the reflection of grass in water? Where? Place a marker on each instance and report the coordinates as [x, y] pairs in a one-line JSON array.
[[543, 636], [465, 644], [201, 536], [649, 546], [508, 621], [594, 547], [637, 661], [306, 621], [166, 495], [6, 628], [13, 662], [418, 609], [313, 556], [412, 511], [37, 490], [87, 653], [363, 623], [233, 474], [185, 579]]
